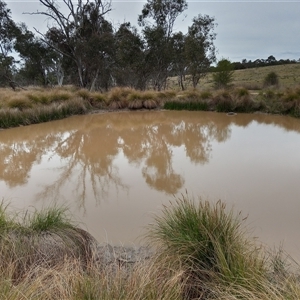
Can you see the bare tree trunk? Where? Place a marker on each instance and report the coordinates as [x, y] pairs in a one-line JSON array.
[[180, 81], [94, 81], [59, 74]]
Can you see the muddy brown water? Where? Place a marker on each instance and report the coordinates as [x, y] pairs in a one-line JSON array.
[[115, 171]]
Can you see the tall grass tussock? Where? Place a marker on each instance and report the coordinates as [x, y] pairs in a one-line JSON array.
[[209, 243]]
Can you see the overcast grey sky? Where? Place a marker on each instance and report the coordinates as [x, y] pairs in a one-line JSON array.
[[246, 29]]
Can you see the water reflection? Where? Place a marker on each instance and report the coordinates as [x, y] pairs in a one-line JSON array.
[[87, 147]]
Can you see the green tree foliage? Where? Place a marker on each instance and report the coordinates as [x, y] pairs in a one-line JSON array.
[[271, 79], [158, 36], [84, 49], [163, 12], [130, 67], [179, 58], [8, 32], [38, 58], [82, 35], [223, 75], [199, 48]]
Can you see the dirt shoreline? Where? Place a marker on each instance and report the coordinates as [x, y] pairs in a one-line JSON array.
[[114, 258]]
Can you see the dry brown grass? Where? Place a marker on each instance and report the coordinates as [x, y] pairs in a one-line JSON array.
[[46, 257], [251, 79], [37, 105]]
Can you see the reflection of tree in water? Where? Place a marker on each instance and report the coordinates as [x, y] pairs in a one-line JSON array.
[[150, 141], [89, 145], [88, 157], [19, 155], [88, 149], [86, 164]]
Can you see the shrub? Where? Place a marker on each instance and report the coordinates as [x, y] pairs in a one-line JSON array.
[[223, 75], [271, 79]]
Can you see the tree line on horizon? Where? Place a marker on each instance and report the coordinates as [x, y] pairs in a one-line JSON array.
[[81, 47], [260, 62]]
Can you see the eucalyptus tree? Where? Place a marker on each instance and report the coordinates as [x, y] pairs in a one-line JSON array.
[[179, 57], [8, 33], [80, 34], [158, 34], [200, 50], [37, 57], [130, 67]]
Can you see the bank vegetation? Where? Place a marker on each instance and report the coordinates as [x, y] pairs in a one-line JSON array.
[[36, 105], [200, 250]]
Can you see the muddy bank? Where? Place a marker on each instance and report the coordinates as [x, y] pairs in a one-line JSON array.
[[121, 257]]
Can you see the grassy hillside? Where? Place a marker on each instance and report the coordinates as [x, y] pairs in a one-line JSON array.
[[289, 76]]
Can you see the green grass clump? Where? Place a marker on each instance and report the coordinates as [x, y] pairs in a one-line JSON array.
[[6, 222], [209, 242], [49, 219]]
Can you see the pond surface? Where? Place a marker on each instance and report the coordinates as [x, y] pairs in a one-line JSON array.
[[115, 170]]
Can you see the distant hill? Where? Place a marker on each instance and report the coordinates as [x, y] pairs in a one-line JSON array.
[[253, 78]]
